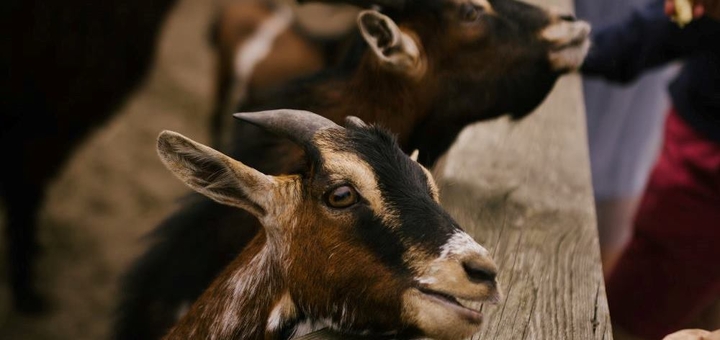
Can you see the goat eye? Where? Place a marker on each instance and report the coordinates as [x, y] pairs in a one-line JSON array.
[[469, 13], [342, 197]]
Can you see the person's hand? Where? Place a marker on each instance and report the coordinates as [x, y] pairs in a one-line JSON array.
[[693, 334], [710, 8]]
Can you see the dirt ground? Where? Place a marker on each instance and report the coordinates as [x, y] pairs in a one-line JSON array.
[[114, 190]]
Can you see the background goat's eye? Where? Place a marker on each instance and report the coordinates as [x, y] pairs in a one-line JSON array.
[[469, 12], [342, 197]]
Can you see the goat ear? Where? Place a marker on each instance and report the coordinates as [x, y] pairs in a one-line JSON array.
[[394, 49], [215, 175]]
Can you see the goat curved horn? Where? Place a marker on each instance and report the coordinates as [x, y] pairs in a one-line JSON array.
[[394, 4], [297, 125]]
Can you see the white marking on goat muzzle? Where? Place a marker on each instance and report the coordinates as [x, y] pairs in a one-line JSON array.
[[569, 44], [462, 244], [447, 269]]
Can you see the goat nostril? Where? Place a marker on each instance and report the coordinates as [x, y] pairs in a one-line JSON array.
[[568, 17], [479, 273]]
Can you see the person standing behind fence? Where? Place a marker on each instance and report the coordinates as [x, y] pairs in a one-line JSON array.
[[624, 130], [669, 275]]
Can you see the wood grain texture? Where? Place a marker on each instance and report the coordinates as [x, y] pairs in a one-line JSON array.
[[523, 190]]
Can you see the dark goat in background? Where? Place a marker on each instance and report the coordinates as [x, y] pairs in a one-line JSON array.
[[425, 72], [67, 66]]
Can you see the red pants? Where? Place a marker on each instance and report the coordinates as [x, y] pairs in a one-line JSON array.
[[671, 270]]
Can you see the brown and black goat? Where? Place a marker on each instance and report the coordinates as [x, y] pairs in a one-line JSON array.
[[426, 71], [358, 242], [433, 66]]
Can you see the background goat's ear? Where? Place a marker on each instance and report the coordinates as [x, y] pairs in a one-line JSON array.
[[394, 49], [215, 175]]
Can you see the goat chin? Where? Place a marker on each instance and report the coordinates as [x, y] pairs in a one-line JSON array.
[[439, 319]]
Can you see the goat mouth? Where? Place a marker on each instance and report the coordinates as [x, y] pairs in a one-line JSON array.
[[578, 36], [577, 42], [461, 306]]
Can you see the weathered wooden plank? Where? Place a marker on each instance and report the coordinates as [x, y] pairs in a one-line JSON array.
[[523, 189]]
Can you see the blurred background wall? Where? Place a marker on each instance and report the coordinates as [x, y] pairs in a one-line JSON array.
[[115, 190]]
